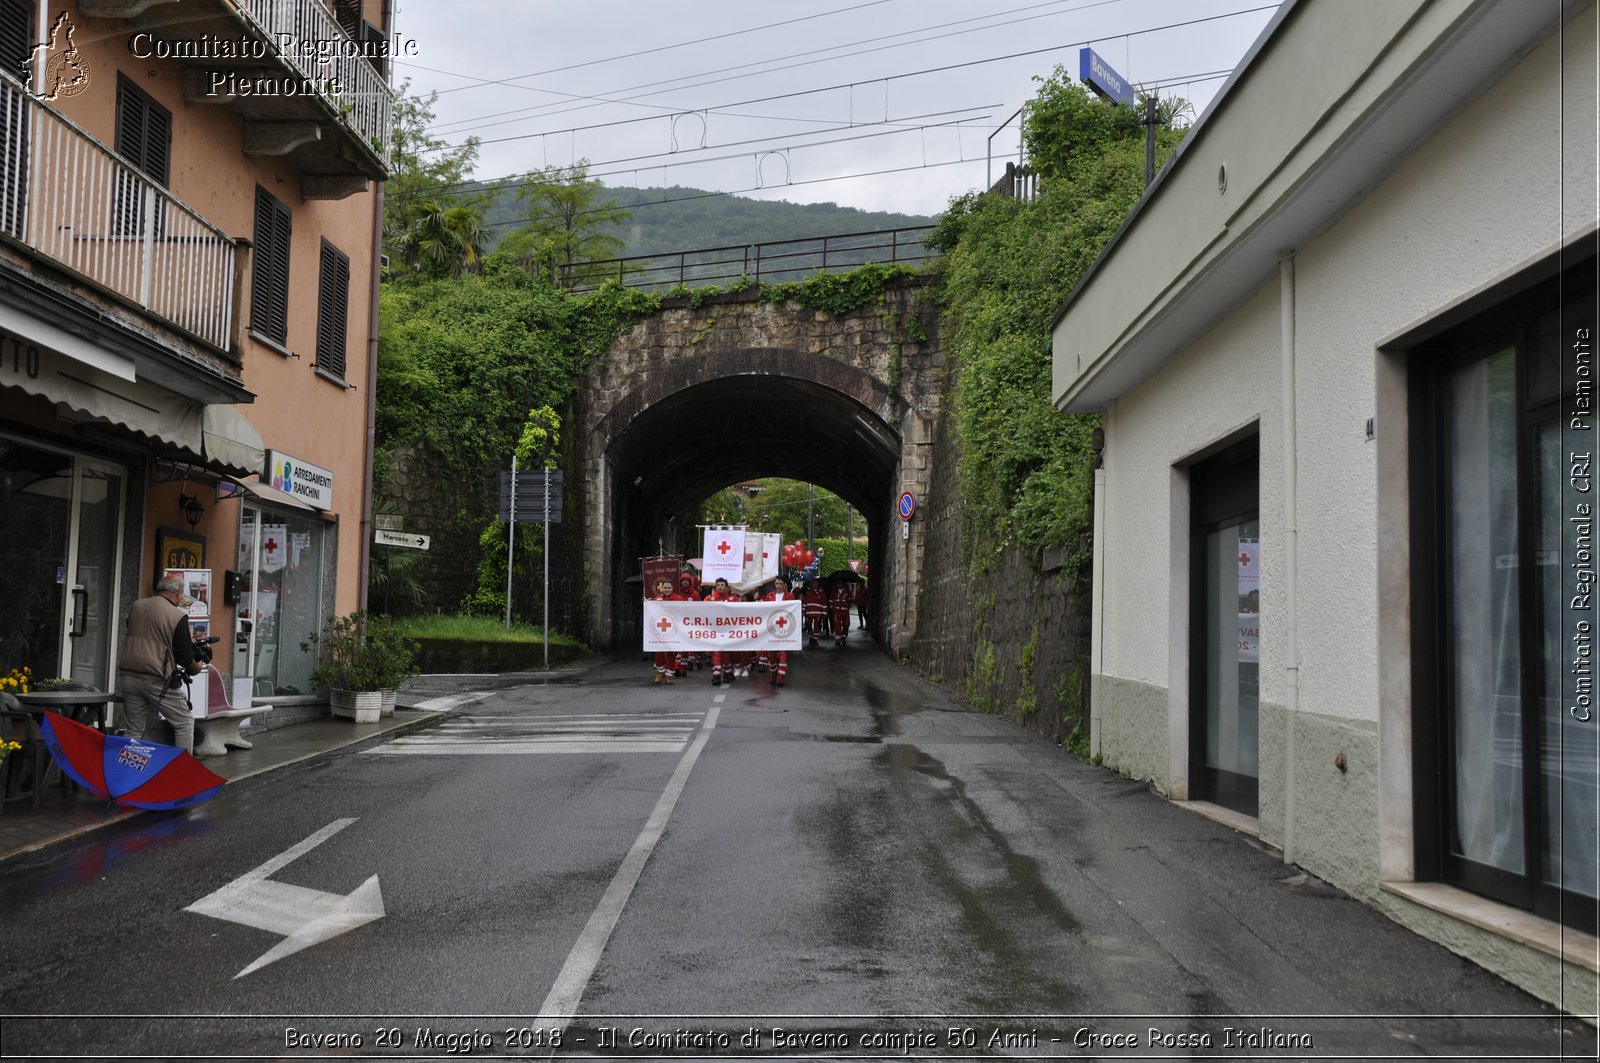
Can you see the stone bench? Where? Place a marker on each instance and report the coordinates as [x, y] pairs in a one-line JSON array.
[[218, 730], [215, 734]]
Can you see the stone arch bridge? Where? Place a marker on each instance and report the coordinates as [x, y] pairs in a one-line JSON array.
[[693, 399]]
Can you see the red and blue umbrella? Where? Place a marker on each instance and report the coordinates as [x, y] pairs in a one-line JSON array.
[[129, 771]]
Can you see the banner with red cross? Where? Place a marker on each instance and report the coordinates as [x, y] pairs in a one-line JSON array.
[[695, 626], [723, 554]]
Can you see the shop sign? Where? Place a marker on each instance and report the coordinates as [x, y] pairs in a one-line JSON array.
[[309, 483]]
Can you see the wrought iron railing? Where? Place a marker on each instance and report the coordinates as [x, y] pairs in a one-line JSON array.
[[364, 98], [773, 262], [71, 199]]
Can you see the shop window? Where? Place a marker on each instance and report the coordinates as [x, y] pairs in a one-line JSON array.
[[269, 284], [144, 140], [1502, 653], [333, 311]]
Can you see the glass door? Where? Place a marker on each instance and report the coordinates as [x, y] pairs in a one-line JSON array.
[[60, 536], [1225, 630], [280, 587], [97, 539]]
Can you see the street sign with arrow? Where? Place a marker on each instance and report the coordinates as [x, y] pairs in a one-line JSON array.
[[400, 538]]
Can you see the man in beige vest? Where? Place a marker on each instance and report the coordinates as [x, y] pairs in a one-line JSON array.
[[158, 647]]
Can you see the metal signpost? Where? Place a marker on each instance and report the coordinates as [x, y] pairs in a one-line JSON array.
[[517, 493]]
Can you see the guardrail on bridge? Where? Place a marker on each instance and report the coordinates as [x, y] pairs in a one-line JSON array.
[[771, 263]]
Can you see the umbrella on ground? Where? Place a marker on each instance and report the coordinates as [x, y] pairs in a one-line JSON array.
[[844, 575], [129, 771]]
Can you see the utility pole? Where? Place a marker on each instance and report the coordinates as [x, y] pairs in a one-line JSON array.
[[811, 518], [1150, 123]]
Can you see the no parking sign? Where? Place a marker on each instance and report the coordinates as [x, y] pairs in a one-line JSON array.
[[908, 505]]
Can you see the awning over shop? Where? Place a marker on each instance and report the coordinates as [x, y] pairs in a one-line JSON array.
[[231, 442], [267, 493], [94, 386]]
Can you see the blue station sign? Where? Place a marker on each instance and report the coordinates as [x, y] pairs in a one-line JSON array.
[[1098, 75]]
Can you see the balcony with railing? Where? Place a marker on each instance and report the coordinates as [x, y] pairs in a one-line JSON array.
[[68, 198], [310, 83]]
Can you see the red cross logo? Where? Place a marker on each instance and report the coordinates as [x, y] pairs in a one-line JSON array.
[[664, 625], [270, 545], [780, 622], [723, 548], [1244, 559]]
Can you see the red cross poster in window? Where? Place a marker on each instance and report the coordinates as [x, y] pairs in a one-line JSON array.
[[723, 554], [274, 547]]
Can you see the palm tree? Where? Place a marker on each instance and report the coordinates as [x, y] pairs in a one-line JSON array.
[[444, 241]]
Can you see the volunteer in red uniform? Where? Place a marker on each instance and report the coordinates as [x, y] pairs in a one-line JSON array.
[[780, 593], [721, 660], [815, 608], [839, 603], [688, 591], [863, 598], [665, 661]]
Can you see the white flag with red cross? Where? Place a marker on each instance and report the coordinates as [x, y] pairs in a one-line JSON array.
[[723, 554]]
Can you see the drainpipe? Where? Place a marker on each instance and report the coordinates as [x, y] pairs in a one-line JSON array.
[[1097, 594], [371, 442], [1291, 703]]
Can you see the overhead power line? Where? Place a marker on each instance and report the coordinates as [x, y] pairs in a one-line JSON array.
[[919, 73], [465, 124], [510, 81]]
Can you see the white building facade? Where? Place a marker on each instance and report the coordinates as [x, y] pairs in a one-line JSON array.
[[1343, 551]]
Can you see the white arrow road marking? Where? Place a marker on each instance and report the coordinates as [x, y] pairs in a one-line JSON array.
[[304, 916]]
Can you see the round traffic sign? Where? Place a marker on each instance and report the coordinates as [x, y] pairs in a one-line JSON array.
[[908, 505]]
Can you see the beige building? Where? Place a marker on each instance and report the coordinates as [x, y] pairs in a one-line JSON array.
[[1344, 570], [189, 219]]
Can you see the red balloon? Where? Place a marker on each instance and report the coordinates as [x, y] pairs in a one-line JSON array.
[[809, 557]]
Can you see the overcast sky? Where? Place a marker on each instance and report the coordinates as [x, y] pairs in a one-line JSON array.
[[799, 101]]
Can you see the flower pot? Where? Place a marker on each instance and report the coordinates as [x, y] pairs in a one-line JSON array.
[[362, 706], [388, 702]]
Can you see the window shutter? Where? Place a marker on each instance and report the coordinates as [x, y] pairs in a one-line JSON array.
[[16, 36], [16, 39], [269, 282], [143, 139], [333, 309]]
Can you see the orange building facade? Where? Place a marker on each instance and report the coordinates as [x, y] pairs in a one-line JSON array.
[[190, 210]]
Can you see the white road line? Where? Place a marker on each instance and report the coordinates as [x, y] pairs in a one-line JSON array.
[[562, 1002], [494, 748], [450, 701]]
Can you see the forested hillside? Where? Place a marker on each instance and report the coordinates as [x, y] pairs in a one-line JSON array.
[[682, 219]]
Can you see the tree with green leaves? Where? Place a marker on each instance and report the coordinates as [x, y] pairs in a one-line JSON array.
[[429, 222], [565, 222], [1007, 267]]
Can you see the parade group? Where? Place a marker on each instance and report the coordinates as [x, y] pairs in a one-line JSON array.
[[826, 613]]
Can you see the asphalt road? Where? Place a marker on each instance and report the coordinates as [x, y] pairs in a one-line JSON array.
[[852, 866]]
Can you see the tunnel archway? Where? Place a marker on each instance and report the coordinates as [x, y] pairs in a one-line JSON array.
[[700, 396], [697, 439]]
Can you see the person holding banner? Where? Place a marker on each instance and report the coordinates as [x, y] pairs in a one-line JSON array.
[[666, 663], [688, 591], [721, 592], [780, 593]]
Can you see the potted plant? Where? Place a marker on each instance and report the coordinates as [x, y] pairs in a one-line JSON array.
[[396, 659], [360, 658]]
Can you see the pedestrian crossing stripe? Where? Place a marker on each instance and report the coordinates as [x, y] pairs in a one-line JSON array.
[[523, 736]]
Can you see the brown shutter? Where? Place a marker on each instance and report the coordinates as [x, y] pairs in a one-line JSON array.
[[16, 40], [269, 282], [333, 310]]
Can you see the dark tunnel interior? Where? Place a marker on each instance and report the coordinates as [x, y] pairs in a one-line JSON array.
[[704, 438]]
